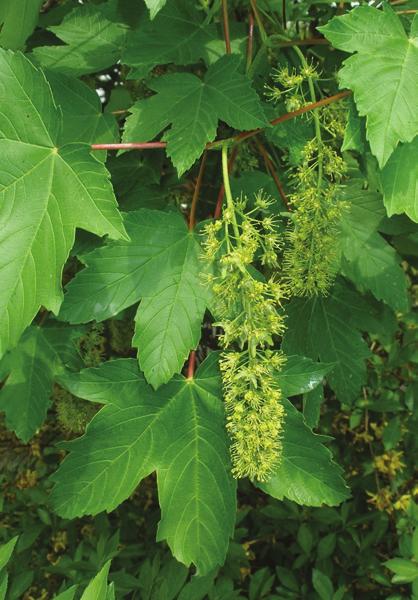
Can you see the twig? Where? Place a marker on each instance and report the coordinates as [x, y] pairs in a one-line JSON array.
[[129, 146], [305, 42], [226, 26], [284, 18], [192, 222], [191, 365], [219, 201], [260, 25], [250, 42], [286, 117], [192, 216], [412, 11], [270, 167]]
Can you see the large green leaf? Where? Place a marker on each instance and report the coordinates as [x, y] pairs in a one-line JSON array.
[[30, 368], [324, 328], [46, 191], [17, 21], [383, 73], [192, 108], [92, 43], [177, 35], [399, 179], [300, 375], [178, 431], [307, 475], [367, 259], [161, 266]]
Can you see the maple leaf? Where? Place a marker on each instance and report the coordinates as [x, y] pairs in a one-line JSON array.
[[383, 73], [67, 188], [191, 108]]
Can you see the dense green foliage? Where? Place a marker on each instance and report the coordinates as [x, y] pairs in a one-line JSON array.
[[208, 336]]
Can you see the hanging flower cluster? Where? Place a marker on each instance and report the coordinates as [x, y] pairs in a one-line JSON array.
[[311, 255], [248, 309]]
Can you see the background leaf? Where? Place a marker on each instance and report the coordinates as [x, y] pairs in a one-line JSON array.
[[177, 35], [31, 368], [17, 21], [307, 475], [367, 259], [92, 43], [300, 375], [321, 328]]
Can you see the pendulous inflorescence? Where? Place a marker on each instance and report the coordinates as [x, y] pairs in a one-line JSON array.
[[248, 309], [311, 255]]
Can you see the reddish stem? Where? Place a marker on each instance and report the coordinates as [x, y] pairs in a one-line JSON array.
[[270, 167], [192, 364], [219, 201], [226, 26], [290, 115], [129, 146], [192, 216]]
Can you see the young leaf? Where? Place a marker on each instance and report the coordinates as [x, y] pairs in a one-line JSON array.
[[321, 328], [17, 21], [312, 402], [97, 588], [300, 375], [67, 187], [67, 594], [4, 580], [31, 367], [160, 265], [92, 43], [405, 570], [399, 179], [192, 108], [355, 131], [154, 6], [178, 431], [177, 35], [322, 584], [307, 475], [384, 90], [6, 551], [367, 259]]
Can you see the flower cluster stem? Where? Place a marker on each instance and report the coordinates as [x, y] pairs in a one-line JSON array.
[[315, 114], [228, 193]]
